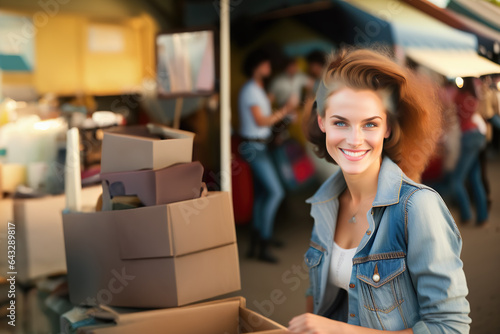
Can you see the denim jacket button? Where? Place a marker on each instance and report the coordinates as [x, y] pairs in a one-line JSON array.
[[368, 232], [352, 286], [376, 278], [352, 315]]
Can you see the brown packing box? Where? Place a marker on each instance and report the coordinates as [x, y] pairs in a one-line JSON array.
[[11, 176], [156, 256], [136, 147], [1, 181], [39, 234], [6, 216], [153, 187], [229, 316]]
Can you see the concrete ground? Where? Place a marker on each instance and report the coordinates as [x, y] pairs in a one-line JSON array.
[[277, 291]]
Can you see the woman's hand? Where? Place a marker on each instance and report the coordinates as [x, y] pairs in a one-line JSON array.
[[310, 323]]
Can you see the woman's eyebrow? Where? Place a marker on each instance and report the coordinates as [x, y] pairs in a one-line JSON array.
[[365, 120], [371, 118]]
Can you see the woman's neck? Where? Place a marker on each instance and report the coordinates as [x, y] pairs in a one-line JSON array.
[[363, 187]]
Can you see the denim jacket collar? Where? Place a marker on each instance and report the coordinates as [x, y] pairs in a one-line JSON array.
[[330, 189], [389, 184]]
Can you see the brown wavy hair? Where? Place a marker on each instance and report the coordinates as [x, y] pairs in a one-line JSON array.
[[412, 106]]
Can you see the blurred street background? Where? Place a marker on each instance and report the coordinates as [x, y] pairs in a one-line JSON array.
[[95, 65]]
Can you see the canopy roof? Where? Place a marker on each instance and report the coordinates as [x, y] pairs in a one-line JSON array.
[[479, 10], [413, 28], [453, 63]]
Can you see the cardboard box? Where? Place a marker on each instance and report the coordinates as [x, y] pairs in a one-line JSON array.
[[6, 216], [229, 316], [11, 176], [154, 187], [1, 182], [157, 256], [138, 147], [39, 234]]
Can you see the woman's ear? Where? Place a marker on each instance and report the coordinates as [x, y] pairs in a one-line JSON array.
[[388, 132], [321, 124]]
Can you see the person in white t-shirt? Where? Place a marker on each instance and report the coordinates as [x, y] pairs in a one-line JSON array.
[[256, 121], [288, 86]]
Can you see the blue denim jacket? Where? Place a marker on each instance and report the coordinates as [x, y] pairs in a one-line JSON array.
[[414, 246]]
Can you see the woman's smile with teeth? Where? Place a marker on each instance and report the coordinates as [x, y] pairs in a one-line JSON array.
[[354, 153]]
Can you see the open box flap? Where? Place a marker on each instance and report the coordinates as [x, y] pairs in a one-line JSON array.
[[219, 316], [125, 315], [149, 132]]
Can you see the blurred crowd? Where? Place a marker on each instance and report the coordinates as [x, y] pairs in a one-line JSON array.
[[471, 135]]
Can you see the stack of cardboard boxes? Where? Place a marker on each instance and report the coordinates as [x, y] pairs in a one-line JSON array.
[[172, 252]]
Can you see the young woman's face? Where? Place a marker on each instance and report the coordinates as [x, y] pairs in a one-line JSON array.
[[355, 125]]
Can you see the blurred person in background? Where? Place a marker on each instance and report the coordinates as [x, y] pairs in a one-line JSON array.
[[491, 100], [495, 141], [287, 89], [468, 167], [316, 61], [488, 109], [288, 86], [385, 251], [448, 149], [256, 121]]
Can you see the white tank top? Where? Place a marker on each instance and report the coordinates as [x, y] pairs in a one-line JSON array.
[[341, 266]]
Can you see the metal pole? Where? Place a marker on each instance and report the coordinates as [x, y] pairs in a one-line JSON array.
[[225, 97]]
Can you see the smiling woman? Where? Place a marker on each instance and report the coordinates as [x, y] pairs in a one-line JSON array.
[[385, 251]]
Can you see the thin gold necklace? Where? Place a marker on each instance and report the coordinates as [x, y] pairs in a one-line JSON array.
[[352, 220]]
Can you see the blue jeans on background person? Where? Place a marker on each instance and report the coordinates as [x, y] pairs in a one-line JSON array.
[[468, 168], [268, 191]]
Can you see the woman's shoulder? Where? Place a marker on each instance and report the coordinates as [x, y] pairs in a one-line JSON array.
[[409, 187], [425, 205], [419, 194]]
